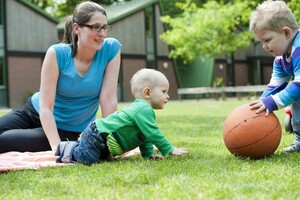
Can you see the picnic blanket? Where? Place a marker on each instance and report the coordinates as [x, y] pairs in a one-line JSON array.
[[13, 161]]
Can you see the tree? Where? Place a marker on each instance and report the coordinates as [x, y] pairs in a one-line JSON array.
[[295, 7], [43, 4], [170, 8], [215, 29], [67, 8], [63, 8]]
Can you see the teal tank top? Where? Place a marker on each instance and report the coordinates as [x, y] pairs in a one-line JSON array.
[[77, 97]]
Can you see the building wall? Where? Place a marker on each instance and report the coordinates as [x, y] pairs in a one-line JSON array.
[[23, 78], [164, 63], [267, 72], [261, 69], [130, 31], [241, 74], [129, 67], [162, 47], [29, 35], [246, 72], [166, 67], [27, 30]]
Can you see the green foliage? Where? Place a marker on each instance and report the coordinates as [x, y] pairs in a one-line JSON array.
[[67, 8], [208, 172], [295, 7], [43, 3], [218, 82], [170, 8], [63, 8], [216, 29]]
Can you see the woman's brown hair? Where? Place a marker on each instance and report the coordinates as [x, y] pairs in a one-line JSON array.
[[82, 14]]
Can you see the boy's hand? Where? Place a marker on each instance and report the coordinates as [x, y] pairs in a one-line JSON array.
[[179, 151], [260, 106]]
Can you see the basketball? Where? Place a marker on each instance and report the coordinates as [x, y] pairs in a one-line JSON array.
[[251, 135]]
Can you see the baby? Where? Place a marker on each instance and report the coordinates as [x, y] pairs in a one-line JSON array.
[[133, 126]]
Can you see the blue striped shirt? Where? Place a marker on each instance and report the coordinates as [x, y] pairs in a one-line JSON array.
[[284, 86]]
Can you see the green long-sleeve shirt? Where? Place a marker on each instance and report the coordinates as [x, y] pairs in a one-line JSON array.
[[135, 126]]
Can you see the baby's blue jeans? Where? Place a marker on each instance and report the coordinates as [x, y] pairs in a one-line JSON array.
[[91, 148]]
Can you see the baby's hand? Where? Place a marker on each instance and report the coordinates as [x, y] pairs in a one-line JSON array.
[[179, 151], [157, 157]]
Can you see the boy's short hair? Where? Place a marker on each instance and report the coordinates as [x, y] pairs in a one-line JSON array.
[[273, 16], [146, 78]]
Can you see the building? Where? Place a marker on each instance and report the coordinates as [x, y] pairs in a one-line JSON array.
[[25, 34], [137, 25]]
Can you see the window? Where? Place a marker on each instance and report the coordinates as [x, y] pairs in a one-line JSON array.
[[1, 12], [1, 70], [3, 93], [150, 37], [149, 22]]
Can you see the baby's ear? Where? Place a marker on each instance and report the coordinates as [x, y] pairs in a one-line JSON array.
[[146, 92]]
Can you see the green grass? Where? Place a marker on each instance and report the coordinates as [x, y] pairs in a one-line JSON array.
[[209, 171]]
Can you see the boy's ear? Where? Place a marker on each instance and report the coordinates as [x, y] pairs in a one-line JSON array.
[[146, 92], [287, 31]]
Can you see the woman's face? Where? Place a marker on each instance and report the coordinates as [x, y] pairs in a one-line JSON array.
[[89, 35]]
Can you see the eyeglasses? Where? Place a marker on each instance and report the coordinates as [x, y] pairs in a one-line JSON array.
[[97, 27]]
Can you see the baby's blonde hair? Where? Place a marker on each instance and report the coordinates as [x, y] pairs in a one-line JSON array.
[[146, 78], [272, 15]]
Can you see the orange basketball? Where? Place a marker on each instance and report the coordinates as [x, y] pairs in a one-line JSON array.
[[247, 134]]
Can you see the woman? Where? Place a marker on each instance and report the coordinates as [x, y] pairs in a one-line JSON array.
[[76, 77]]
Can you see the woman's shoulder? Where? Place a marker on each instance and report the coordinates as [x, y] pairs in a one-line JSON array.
[[63, 52], [62, 49], [111, 41], [110, 48], [61, 46]]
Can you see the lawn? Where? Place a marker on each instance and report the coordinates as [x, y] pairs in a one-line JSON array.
[[209, 171]]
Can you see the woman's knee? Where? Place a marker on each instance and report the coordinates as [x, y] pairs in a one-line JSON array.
[[22, 140]]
